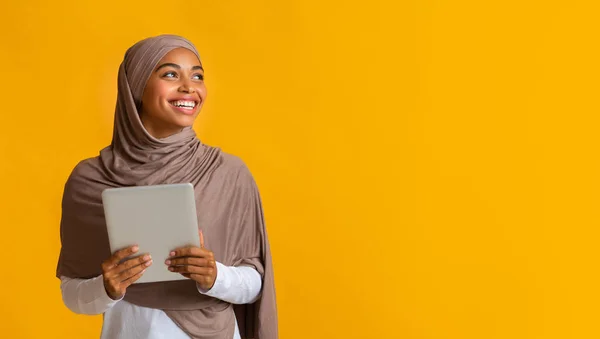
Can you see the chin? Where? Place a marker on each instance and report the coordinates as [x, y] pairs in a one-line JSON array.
[[184, 122]]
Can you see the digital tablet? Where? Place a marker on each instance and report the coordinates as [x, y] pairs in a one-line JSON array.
[[158, 218]]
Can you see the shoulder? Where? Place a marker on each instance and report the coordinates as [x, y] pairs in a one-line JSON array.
[[231, 168], [78, 184], [234, 163], [227, 163], [85, 172], [84, 169]]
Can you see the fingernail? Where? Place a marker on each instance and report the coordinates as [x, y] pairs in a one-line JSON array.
[[148, 263], [171, 268], [135, 248], [146, 257], [168, 262], [172, 253]]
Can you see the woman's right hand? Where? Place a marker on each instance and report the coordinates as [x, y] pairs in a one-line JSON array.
[[117, 277]]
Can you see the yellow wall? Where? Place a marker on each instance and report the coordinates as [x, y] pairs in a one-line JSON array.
[[429, 168]]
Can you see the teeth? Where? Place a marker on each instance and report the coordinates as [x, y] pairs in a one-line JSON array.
[[183, 103]]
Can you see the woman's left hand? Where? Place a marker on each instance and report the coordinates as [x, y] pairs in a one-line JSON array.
[[196, 263]]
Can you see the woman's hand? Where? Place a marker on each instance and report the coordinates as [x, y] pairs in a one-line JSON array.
[[196, 263], [117, 277]]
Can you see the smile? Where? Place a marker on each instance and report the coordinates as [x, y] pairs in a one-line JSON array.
[[184, 104]]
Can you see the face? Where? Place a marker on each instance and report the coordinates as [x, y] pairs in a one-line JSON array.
[[174, 94]]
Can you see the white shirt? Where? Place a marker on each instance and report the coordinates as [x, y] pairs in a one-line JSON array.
[[123, 320]]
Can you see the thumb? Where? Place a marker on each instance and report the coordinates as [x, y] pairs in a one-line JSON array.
[[201, 239]]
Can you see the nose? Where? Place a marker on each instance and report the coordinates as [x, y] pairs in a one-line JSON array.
[[186, 88]]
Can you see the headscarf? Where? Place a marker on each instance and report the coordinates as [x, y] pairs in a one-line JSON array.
[[228, 206]]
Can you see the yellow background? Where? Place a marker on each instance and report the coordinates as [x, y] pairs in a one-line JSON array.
[[429, 169]]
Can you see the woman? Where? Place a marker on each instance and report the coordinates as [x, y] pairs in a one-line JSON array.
[[160, 93]]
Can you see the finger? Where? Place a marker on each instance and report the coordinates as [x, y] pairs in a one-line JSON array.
[[133, 278], [194, 261], [144, 260], [192, 270], [201, 239], [117, 256], [122, 254], [127, 274], [191, 251]]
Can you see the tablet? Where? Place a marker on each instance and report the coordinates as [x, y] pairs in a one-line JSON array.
[[157, 218]]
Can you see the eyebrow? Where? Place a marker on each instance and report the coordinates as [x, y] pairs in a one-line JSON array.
[[169, 64]]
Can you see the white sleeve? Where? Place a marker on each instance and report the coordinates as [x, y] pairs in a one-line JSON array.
[[85, 296], [235, 284]]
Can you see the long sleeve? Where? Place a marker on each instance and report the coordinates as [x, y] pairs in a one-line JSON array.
[[85, 296], [236, 285]]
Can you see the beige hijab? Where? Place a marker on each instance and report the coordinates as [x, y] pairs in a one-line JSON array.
[[227, 200]]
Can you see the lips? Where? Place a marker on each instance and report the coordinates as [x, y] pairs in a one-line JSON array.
[[184, 106]]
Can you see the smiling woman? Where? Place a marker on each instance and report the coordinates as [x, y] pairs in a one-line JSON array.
[[161, 92], [174, 93]]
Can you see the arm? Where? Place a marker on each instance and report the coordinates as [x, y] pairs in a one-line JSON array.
[[236, 285], [95, 295], [85, 296]]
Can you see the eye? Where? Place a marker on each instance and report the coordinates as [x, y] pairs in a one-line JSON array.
[[198, 76], [170, 74]]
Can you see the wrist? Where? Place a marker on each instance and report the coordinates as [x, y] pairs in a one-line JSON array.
[[219, 284], [112, 295], [203, 288]]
